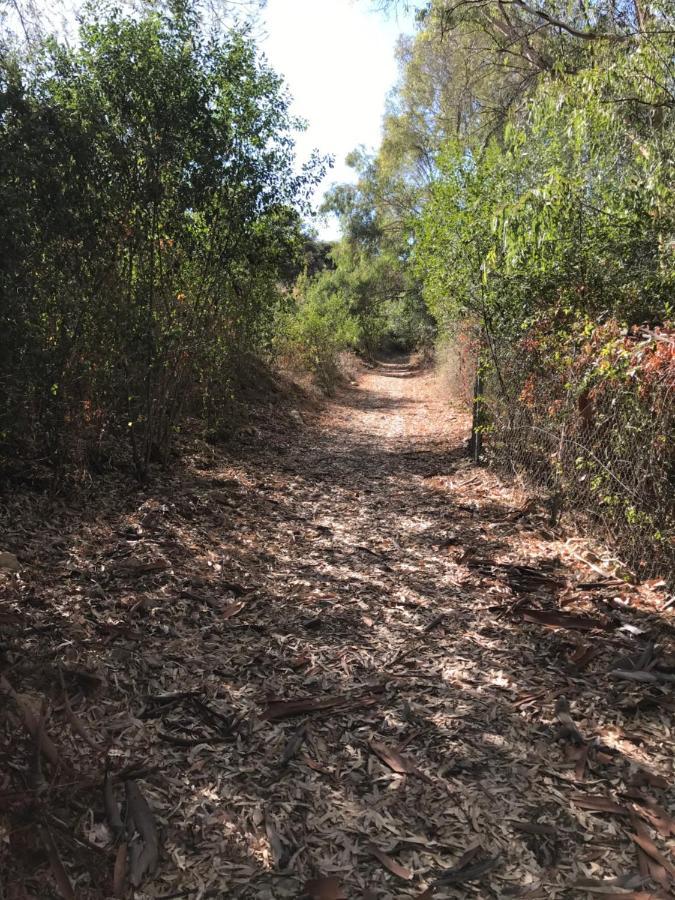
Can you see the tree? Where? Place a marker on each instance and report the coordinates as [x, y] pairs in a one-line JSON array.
[[151, 210]]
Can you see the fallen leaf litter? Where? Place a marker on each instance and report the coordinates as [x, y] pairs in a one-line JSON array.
[[334, 660]]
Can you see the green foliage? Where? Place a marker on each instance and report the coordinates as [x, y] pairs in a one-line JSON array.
[[572, 209], [372, 275], [558, 224], [318, 327], [150, 212], [534, 144]]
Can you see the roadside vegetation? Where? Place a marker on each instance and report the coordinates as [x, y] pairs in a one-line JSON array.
[[151, 224], [521, 212], [518, 213], [416, 640]]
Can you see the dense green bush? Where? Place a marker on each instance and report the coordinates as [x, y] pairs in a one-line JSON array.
[[525, 188], [364, 303], [150, 212], [316, 327], [558, 238]]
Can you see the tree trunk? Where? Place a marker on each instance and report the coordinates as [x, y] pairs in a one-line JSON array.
[[476, 442]]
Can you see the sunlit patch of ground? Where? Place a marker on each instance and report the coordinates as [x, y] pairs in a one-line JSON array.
[[359, 561]]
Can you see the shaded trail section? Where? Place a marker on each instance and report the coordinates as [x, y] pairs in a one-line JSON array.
[[345, 662]]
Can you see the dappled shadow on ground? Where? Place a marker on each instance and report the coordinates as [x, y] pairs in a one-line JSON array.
[[357, 400], [360, 562]]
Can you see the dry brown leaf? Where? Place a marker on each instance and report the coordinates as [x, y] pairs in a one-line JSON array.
[[562, 620], [274, 838], [132, 566], [645, 843], [9, 561], [232, 609], [564, 716], [298, 662], [634, 675], [582, 759], [325, 889], [145, 857], [239, 590], [120, 870], [285, 709], [32, 725], [112, 810], [74, 721], [645, 863], [314, 765], [392, 758], [598, 804], [583, 655], [294, 743], [650, 810], [463, 872], [60, 875], [535, 828], [472, 694], [636, 895], [653, 779], [394, 867]]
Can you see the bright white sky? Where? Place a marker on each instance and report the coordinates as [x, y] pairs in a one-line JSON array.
[[337, 57]]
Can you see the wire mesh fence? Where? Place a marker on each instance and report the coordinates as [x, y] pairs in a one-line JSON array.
[[592, 424]]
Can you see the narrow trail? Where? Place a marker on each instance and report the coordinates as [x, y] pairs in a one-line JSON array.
[[331, 656]]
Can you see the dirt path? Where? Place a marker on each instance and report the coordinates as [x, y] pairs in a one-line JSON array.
[[315, 656]]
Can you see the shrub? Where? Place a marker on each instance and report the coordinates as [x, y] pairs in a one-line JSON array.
[[317, 328], [150, 210]]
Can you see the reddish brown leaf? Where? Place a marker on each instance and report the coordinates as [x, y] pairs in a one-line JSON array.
[[649, 809], [645, 843], [391, 758], [231, 609], [120, 871], [325, 889], [598, 804], [391, 864], [562, 620], [285, 709]]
